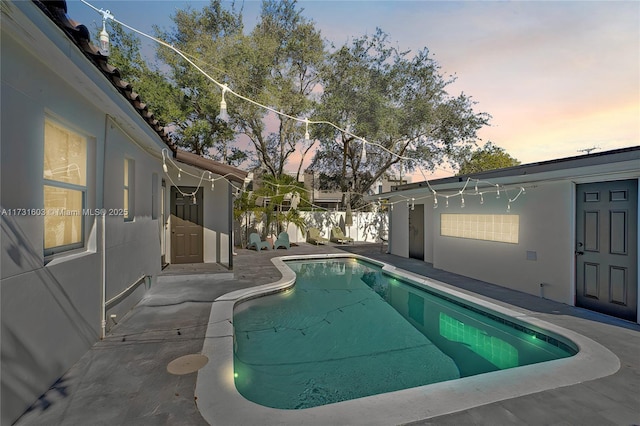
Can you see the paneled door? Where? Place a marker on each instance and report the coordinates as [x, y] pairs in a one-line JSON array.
[[606, 247], [186, 226]]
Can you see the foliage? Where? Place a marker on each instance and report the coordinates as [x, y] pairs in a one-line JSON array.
[[488, 157], [278, 68], [275, 191], [395, 101], [196, 100]]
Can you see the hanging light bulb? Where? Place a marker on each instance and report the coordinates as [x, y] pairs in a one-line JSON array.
[[179, 174], [104, 35], [193, 199], [497, 191], [211, 179], [164, 167], [522, 189], [509, 206], [447, 202], [435, 202], [481, 198], [413, 204], [363, 158], [461, 201], [224, 115], [306, 129], [391, 206], [476, 187]]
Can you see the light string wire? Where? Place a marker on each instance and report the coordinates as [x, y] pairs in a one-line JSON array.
[[201, 177], [108, 15]]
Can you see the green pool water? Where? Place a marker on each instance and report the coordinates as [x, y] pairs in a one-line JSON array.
[[347, 330]]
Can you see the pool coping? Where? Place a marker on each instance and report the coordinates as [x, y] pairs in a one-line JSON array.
[[220, 403]]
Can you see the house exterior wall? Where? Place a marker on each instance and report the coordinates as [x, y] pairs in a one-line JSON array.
[[216, 214], [51, 307], [542, 262], [399, 225], [546, 228]]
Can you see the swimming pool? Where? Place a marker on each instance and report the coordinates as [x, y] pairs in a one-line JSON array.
[[348, 330], [220, 402]]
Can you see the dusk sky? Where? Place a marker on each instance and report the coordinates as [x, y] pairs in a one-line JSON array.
[[557, 76]]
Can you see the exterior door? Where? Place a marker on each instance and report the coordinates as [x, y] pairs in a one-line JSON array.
[[606, 248], [186, 227], [416, 232]]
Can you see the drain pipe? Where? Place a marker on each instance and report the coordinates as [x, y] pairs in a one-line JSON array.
[[103, 279]]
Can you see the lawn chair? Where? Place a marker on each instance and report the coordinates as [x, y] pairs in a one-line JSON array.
[[282, 241], [337, 236], [256, 243], [314, 237]]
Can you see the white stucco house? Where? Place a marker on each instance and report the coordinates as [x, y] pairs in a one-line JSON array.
[[565, 229], [88, 217]]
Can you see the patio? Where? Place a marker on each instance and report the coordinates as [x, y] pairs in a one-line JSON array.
[[124, 380]]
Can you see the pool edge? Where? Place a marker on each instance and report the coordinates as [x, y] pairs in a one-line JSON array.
[[220, 403]]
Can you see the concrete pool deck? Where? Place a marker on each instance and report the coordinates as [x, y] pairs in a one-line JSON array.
[[124, 380]]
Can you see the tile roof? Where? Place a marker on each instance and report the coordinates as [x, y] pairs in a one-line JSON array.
[[57, 11]]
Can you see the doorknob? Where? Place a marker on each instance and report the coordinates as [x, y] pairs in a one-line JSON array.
[[579, 253]]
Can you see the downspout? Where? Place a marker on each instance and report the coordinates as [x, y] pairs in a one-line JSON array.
[[103, 278], [231, 245], [103, 244]]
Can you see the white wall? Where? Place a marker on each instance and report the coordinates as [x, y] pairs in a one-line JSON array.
[[215, 213], [51, 308], [546, 228]]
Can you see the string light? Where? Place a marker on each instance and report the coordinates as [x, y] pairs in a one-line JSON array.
[[104, 35], [224, 116], [306, 129]]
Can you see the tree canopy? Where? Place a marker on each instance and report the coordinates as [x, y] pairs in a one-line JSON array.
[[396, 101], [489, 157]]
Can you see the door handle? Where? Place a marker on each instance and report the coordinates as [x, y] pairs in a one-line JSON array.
[[579, 253]]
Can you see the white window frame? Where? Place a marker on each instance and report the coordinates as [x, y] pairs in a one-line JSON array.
[[51, 182]]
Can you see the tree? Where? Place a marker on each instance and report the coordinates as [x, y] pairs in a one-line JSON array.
[[206, 35], [277, 65], [395, 102], [148, 80], [488, 157]]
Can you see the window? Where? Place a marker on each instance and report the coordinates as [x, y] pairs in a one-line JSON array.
[[489, 227], [129, 167], [65, 188]]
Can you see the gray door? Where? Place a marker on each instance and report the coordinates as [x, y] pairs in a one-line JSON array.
[[416, 232], [186, 227], [606, 247]]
